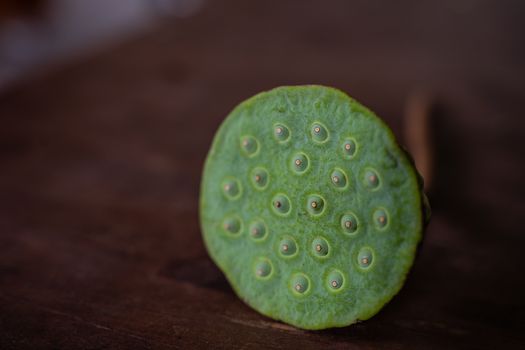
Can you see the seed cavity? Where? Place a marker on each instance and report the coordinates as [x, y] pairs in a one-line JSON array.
[[232, 225], [249, 145], [319, 132], [349, 148], [288, 247], [315, 204], [258, 230], [300, 284], [371, 179], [349, 223], [260, 178], [231, 188], [263, 268], [281, 204], [300, 163], [320, 247], [335, 280], [281, 132], [339, 178], [365, 258], [380, 218]]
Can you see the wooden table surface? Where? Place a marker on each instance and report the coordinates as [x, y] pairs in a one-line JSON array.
[[100, 165]]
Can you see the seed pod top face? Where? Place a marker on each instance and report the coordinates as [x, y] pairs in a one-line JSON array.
[[310, 208]]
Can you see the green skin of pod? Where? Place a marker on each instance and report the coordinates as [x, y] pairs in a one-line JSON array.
[[380, 179]]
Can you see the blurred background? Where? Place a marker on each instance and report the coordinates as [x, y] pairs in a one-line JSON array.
[[107, 110], [35, 33]]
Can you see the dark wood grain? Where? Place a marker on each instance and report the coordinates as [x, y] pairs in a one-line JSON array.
[[100, 165]]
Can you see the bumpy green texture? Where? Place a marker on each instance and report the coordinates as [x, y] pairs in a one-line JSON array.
[[310, 208]]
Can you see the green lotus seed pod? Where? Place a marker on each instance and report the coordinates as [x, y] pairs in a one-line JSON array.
[[310, 207]]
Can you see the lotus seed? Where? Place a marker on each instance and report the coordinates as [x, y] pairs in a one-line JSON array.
[[231, 188], [349, 223], [281, 204], [380, 218], [319, 133], [232, 225], [259, 178], [371, 179], [315, 204], [335, 280], [300, 163], [288, 247], [349, 148], [320, 247], [249, 145], [339, 179], [258, 229], [300, 283], [281, 133], [365, 258], [263, 268]]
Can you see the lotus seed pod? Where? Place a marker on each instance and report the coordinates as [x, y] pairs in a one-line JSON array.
[[310, 207]]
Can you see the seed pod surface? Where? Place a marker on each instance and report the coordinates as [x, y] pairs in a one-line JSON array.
[[310, 207]]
